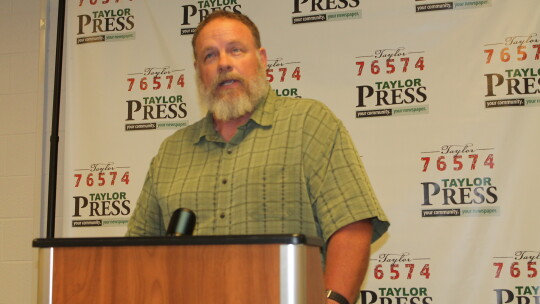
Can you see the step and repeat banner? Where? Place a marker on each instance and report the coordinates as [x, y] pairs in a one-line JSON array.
[[442, 100]]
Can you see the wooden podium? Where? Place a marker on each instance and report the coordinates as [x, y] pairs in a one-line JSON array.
[[254, 269]]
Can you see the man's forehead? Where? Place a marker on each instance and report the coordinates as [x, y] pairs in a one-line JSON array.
[[224, 29]]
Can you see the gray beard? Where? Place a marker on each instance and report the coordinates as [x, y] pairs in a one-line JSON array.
[[233, 105]]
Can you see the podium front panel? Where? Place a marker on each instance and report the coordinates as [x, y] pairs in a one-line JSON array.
[[171, 273]]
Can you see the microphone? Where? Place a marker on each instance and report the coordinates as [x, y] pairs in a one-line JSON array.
[[182, 222]]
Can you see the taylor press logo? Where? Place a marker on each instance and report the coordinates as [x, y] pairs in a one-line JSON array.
[[405, 95], [431, 6], [101, 207], [306, 11], [105, 23], [161, 109], [281, 72], [399, 269], [192, 14], [393, 295], [515, 80], [465, 186], [521, 265]]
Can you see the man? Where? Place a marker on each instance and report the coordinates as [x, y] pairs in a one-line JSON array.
[[262, 164]]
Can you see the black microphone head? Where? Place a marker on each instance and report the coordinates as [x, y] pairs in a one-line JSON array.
[[182, 222]]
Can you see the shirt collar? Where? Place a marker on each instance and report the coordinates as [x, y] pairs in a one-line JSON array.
[[263, 116], [207, 130]]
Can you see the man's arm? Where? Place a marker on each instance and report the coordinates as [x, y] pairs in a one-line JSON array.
[[146, 219], [347, 258]]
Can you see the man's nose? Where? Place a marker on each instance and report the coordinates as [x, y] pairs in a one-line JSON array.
[[224, 64]]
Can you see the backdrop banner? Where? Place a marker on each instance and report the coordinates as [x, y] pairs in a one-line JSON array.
[[442, 99]]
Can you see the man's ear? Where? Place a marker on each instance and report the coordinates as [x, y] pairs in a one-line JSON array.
[[262, 54]]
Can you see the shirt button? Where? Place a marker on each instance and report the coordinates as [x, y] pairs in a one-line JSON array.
[[222, 215], [229, 151], [224, 181]]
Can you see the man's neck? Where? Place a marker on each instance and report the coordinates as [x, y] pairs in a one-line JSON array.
[[227, 128]]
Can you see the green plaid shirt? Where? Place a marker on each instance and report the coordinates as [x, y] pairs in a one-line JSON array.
[[292, 168]]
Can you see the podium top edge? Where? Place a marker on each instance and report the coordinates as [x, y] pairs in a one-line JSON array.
[[284, 239]]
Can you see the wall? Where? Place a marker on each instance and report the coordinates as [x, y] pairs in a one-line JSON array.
[[21, 112]]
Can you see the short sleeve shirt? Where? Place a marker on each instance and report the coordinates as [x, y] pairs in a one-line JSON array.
[[292, 168]]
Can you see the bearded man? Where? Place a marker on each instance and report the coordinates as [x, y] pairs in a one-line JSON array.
[[262, 164]]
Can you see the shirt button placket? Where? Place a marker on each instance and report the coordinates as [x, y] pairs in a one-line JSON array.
[[227, 162]]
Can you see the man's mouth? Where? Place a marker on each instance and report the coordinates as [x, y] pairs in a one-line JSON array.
[[227, 82]]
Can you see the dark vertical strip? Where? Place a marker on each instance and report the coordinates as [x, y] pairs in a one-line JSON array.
[[53, 156]]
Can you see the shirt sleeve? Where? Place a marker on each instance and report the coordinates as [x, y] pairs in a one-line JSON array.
[[147, 219], [339, 187]]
